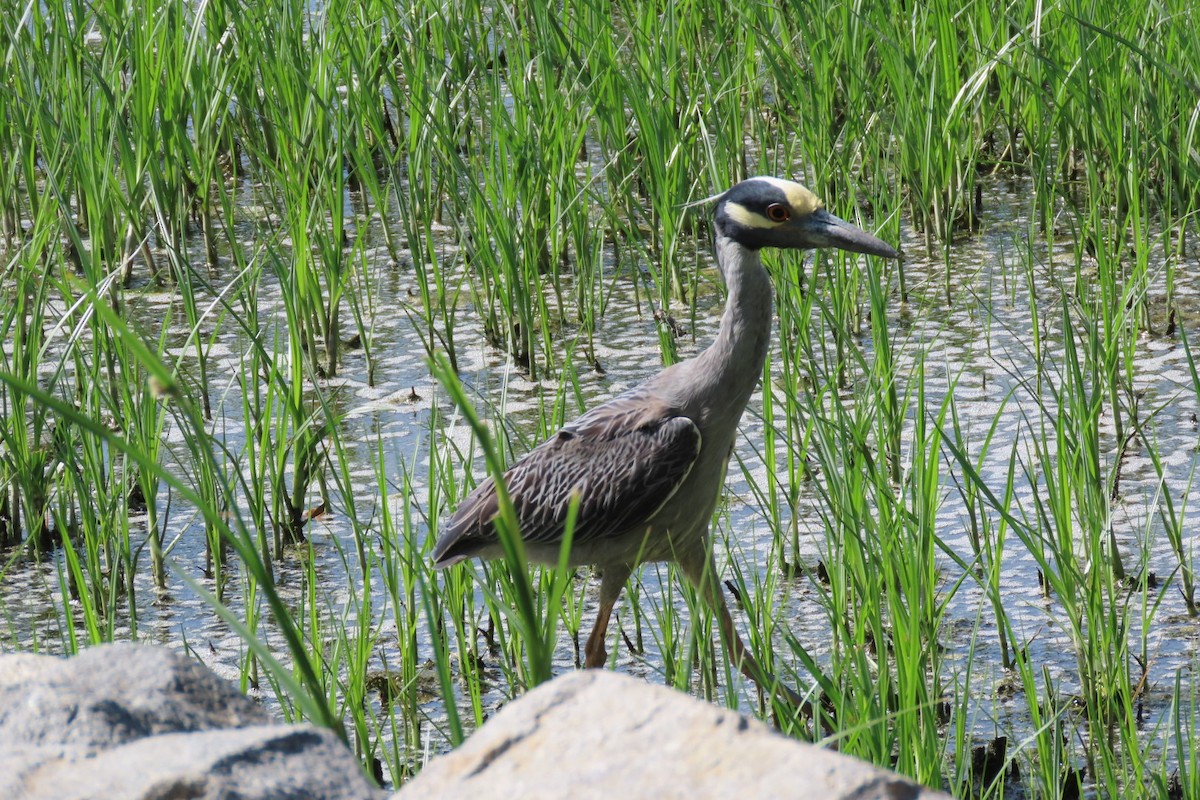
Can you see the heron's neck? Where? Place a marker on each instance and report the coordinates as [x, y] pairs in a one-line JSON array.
[[735, 360]]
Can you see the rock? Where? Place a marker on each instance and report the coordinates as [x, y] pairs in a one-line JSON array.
[[113, 694], [599, 734], [132, 721], [271, 762]]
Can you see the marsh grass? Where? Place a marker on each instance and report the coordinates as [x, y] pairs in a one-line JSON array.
[[221, 223]]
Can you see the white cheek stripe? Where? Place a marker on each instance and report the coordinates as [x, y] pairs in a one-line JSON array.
[[747, 218]]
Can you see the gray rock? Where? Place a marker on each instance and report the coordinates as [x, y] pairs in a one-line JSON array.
[[130, 721], [113, 694], [269, 762], [599, 734]]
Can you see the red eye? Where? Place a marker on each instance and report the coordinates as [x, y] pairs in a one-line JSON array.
[[778, 212]]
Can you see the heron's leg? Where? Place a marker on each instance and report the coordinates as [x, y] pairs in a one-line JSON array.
[[610, 589], [700, 570]]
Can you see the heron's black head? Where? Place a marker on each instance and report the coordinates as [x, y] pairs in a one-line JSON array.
[[769, 212]]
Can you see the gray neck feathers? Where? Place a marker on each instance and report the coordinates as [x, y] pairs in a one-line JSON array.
[[732, 365]]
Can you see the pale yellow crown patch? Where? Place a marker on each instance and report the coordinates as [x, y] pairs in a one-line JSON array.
[[800, 199]]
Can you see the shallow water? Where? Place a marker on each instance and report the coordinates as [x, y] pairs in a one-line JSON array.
[[980, 345]]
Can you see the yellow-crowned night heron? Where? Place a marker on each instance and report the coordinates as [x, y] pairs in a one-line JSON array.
[[648, 465]]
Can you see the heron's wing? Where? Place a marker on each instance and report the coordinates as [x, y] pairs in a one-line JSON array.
[[625, 459]]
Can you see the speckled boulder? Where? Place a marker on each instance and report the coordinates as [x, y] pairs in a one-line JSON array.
[[131, 721], [600, 734]]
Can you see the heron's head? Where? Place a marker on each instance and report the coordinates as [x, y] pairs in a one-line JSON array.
[[769, 212]]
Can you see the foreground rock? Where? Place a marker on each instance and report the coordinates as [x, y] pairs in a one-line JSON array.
[[600, 734], [129, 721]]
